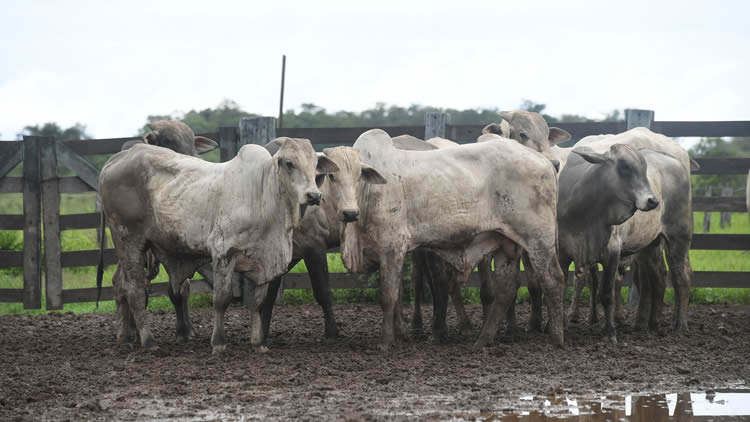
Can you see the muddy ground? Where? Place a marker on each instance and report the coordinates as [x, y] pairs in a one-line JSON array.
[[63, 366]]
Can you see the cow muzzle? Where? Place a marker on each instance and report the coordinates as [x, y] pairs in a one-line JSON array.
[[313, 198], [651, 203], [350, 215]]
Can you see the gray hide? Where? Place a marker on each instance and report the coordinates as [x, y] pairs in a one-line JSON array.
[[237, 215], [444, 202]]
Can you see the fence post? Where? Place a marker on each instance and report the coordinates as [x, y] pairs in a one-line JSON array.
[[636, 118], [259, 131], [228, 140], [51, 217], [32, 230], [434, 124], [707, 214], [725, 217]]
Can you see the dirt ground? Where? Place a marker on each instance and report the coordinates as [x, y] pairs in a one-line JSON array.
[[68, 367]]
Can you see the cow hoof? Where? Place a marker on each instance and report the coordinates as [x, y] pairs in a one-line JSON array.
[[534, 326], [219, 348], [384, 347], [332, 332], [481, 343], [261, 349], [436, 339], [150, 344], [612, 339], [465, 329]]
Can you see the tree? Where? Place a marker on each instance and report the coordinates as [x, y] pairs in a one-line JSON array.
[[75, 132], [720, 148]]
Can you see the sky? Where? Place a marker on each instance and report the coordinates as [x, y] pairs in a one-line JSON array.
[[108, 65]]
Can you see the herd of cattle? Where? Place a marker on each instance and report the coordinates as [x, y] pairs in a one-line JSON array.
[[615, 200]]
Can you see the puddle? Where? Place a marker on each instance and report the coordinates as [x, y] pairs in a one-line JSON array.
[[719, 405]]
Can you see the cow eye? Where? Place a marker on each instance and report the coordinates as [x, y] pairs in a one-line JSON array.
[[289, 164], [332, 179], [524, 137]]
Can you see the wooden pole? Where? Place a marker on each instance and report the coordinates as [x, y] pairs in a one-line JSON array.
[[51, 217], [32, 228], [281, 99], [434, 125]]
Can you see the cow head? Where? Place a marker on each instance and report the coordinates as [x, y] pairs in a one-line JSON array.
[[178, 137], [300, 169], [622, 171], [531, 130], [344, 186]]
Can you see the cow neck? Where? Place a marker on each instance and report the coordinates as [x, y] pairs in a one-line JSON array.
[[259, 182], [587, 203], [330, 216]]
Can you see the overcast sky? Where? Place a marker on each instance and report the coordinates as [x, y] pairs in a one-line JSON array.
[[110, 64]]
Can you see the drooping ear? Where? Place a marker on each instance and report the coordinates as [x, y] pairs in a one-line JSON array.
[[203, 144], [151, 137], [592, 157], [325, 165], [492, 128], [557, 135], [372, 176]]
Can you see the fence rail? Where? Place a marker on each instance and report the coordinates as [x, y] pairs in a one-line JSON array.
[[41, 184]]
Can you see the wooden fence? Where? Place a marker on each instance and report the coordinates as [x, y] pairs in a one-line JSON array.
[[41, 187]]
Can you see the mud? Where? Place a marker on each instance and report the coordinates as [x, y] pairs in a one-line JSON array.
[[68, 367]]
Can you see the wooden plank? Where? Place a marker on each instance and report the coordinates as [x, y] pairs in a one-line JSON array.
[[723, 165], [32, 231], [638, 118], [346, 135], [702, 129], [87, 258], [11, 295], [733, 204], [732, 279], [257, 130], [80, 221], [10, 156], [11, 259], [51, 218], [78, 165], [434, 125], [11, 221], [11, 184], [74, 184], [724, 242]]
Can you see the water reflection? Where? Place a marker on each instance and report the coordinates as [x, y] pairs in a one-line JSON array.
[[720, 405]]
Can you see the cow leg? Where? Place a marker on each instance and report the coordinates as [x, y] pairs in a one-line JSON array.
[[594, 281], [266, 307], [486, 286], [506, 285], [579, 282], [180, 299], [317, 268], [436, 277], [258, 294], [223, 268], [131, 254], [679, 266], [391, 264], [607, 294], [658, 286], [535, 295], [417, 279], [643, 275], [464, 322], [546, 267], [125, 321]]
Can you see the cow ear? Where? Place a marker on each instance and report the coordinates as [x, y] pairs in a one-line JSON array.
[[557, 135], [592, 157], [325, 164], [150, 138], [507, 115], [203, 144], [492, 128], [371, 176]]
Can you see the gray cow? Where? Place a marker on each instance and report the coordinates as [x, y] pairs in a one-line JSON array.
[[177, 136], [444, 201], [238, 215]]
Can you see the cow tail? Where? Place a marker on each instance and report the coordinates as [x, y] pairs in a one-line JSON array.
[[100, 266]]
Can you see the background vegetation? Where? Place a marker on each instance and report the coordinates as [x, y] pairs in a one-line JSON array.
[[228, 113]]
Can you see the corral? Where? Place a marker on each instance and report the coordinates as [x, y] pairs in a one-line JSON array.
[[68, 366]]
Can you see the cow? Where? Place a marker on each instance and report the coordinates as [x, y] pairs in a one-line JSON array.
[[461, 203], [320, 228], [177, 136], [238, 216]]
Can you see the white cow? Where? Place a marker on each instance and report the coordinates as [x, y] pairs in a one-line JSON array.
[[238, 215], [461, 203]]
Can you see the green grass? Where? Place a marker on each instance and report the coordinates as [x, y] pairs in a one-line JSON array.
[[84, 277]]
